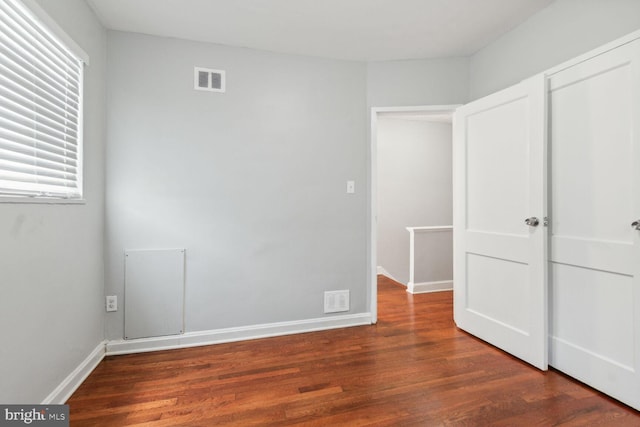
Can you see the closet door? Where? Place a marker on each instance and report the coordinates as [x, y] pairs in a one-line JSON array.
[[499, 182], [595, 196]]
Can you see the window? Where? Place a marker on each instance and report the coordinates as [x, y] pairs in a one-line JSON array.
[[40, 107]]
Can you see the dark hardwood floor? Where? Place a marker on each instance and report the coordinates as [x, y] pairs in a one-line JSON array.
[[413, 368]]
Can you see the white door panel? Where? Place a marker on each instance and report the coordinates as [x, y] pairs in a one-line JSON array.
[[601, 255], [594, 252], [499, 261], [601, 306], [489, 143], [591, 118], [491, 282], [504, 246]]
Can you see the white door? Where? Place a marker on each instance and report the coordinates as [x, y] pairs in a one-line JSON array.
[[594, 300], [499, 181]]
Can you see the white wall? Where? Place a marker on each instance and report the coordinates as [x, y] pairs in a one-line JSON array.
[[414, 190], [563, 30], [418, 82], [51, 256], [251, 182]]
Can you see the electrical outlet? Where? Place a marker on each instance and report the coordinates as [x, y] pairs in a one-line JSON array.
[[336, 301], [112, 303]]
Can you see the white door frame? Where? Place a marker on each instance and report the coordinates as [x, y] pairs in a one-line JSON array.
[[373, 188]]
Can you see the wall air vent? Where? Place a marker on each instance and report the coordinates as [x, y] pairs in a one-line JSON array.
[[208, 79]]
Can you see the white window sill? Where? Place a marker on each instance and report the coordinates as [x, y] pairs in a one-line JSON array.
[[42, 201]]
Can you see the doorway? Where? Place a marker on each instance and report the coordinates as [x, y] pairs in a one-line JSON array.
[[410, 199]]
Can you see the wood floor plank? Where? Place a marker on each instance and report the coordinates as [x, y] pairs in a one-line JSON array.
[[413, 368]]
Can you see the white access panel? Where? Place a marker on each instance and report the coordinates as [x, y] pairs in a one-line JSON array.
[[595, 252], [154, 293]]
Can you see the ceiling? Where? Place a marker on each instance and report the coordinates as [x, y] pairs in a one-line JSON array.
[[362, 30]]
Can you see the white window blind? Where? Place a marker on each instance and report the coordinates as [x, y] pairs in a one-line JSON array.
[[40, 109]]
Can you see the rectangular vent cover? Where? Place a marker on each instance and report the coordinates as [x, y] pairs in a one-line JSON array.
[[208, 79]]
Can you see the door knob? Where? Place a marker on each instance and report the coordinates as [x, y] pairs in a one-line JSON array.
[[636, 224], [532, 222]]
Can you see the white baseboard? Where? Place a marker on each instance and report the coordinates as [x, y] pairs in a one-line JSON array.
[[218, 336], [381, 270], [425, 287], [70, 384], [192, 339]]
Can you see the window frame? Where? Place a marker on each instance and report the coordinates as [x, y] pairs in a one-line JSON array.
[[49, 25]]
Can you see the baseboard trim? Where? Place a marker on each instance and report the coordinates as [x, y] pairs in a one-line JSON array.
[[71, 383], [426, 287], [382, 271], [219, 336]]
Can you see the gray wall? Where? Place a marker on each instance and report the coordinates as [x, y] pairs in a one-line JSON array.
[[563, 30], [51, 256], [418, 82], [251, 182], [414, 190]]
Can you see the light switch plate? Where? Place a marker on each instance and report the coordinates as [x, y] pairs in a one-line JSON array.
[[351, 187]]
